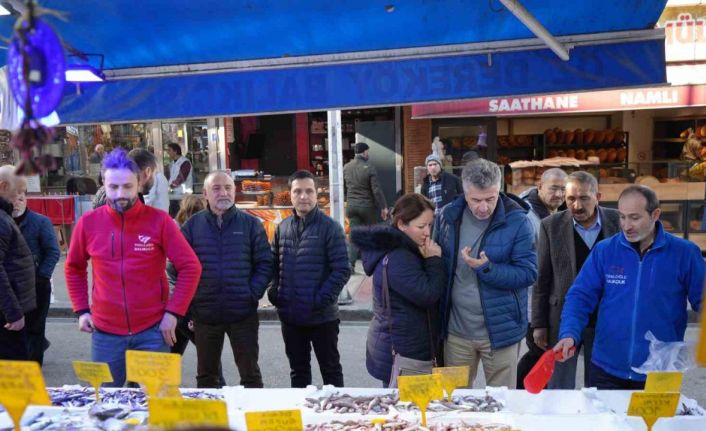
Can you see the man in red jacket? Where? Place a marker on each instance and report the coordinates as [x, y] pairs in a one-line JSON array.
[[128, 244]]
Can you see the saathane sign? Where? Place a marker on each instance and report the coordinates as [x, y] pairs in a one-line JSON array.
[[595, 101]]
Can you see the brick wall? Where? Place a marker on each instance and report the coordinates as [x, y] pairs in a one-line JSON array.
[[416, 145]]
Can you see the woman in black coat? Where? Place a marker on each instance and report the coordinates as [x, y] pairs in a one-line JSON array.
[[416, 279]]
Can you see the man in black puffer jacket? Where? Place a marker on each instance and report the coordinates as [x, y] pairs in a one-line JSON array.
[[237, 268], [311, 264], [17, 293]]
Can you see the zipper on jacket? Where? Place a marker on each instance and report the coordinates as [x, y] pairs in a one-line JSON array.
[[634, 314], [122, 271], [112, 244]]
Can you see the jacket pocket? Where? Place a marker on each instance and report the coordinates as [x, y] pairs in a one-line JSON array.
[[518, 309]]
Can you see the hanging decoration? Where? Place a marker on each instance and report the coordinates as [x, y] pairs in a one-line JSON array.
[[36, 74]]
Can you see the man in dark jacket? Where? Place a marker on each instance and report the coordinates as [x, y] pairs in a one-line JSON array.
[[488, 247], [363, 194], [565, 242], [440, 186], [237, 268], [311, 268], [38, 231], [17, 293]]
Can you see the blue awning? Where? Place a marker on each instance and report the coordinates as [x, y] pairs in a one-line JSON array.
[[181, 59]]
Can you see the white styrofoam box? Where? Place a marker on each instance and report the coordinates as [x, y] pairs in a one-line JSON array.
[[552, 402], [618, 401], [586, 422], [680, 423], [240, 399]]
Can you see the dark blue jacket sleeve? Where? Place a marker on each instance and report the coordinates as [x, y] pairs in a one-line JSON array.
[[337, 256], [262, 261], [272, 291], [49, 248], [583, 297], [521, 271], [695, 278], [422, 284]]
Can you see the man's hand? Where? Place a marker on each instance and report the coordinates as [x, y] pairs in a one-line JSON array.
[[472, 261], [565, 346], [16, 325], [85, 323], [540, 338], [168, 329], [384, 213]]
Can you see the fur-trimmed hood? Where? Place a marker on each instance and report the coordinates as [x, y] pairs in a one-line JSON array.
[[376, 241]]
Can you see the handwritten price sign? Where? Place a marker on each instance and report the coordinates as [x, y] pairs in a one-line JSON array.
[[452, 378], [664, 381], [21, 383], [652, 405], [421, 390], [173, 412], [95, 373], [276, 420], [153, 369]]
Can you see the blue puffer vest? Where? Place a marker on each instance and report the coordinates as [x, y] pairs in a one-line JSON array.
[[311, 269], [237, 265]]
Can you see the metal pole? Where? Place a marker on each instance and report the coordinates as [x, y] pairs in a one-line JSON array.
[[335, 181], [335, 166], [517, 9]]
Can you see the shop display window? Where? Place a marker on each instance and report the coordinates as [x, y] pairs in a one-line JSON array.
[[192, 136]]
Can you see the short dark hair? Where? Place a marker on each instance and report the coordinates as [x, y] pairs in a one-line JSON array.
[[175, 147], [143, 158], [409, 207], [300, 175], [646, 192], [118, 159], [585, 178]]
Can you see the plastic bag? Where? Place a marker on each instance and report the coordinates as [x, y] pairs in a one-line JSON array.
[[667, 356]]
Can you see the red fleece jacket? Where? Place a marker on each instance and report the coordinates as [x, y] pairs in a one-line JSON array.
[[128, 254]]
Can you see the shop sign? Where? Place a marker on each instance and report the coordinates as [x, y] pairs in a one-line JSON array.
[[611, 100], [684, 32]]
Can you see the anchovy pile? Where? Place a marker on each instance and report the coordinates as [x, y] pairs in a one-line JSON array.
[[100, 418], [402, 425], [343, 403], [133, 398], [685, 410], [468, 403]]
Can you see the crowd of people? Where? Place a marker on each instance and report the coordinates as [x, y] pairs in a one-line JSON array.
[[461, 273]]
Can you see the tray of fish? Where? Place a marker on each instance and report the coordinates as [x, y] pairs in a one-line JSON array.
[[97, 417], [346, 403], [80, 396], [460, 403], [397, 424]]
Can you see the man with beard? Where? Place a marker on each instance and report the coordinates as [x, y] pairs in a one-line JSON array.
[[639, 280], [237, 268], [565, 241], [128, 244], [147, 164]]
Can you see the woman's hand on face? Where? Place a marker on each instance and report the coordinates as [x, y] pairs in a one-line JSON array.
[[430, 248]]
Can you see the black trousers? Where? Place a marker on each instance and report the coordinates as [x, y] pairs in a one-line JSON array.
[[359, 216], [13, 344], [529, 359], [243, 338], [298, 341], [184, 335], [36, 321], [602, 380]]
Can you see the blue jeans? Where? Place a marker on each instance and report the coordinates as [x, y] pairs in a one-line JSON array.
[[111, 349]]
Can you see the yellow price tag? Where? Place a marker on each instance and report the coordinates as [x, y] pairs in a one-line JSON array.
[[173, 412], [276, 420], [15, 403], [94, 373], [653, 405], [452, 378], [15, 375], [420, 390], [701, 346], [664, 381], [153, 369]]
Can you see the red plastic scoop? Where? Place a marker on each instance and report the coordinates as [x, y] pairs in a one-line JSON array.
[[541, 373]]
